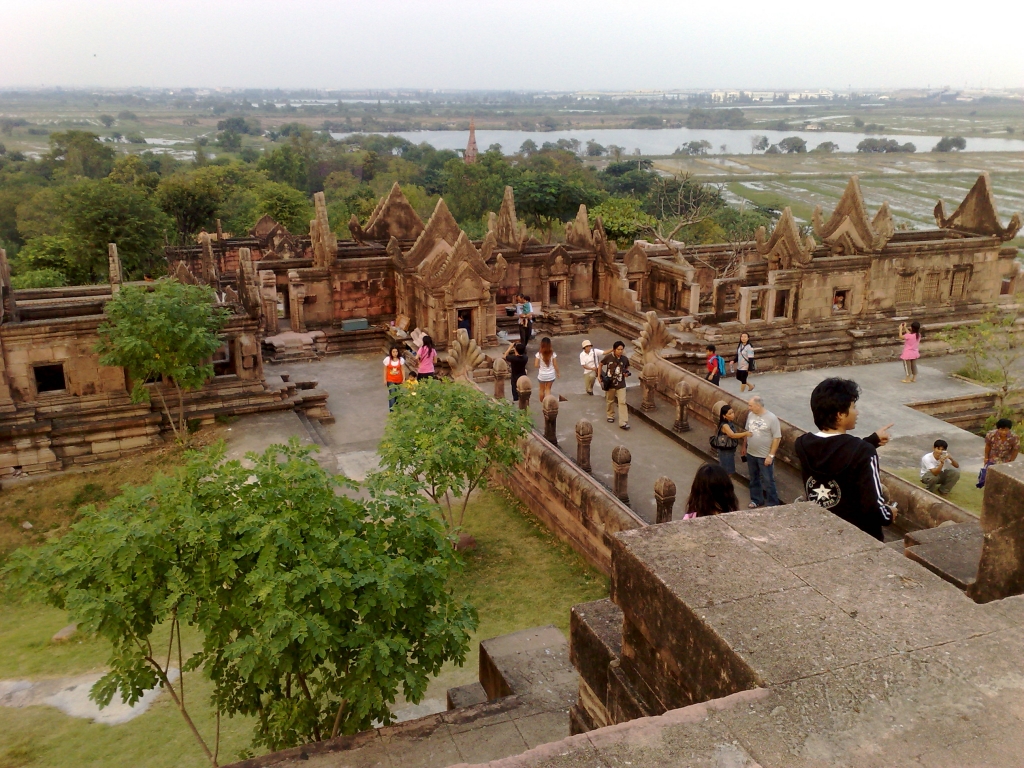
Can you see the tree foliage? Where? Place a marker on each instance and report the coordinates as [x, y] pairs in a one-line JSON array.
[[950, 144], [623, 219], [81, 153], [993, 349], [314, 609], [449, 437], [165, 331]]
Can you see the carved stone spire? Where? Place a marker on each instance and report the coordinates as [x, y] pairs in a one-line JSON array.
[[113, 268], [208, 262], [324, 242], [977, 213], [506, 228], [578, 232], [470, 156]]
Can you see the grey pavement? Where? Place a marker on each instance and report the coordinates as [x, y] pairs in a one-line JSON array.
[[883, 401]]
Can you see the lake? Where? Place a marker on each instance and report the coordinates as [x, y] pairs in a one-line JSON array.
[[664, 141]]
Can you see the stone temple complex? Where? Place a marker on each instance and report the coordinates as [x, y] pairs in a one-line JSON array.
[[773, 637]]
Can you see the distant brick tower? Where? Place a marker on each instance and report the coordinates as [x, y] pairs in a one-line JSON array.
[[470, 156]]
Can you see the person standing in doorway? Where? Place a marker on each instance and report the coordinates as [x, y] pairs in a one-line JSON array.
[[940, 472], [590, 360], [715, 365], [394, 374], [426, 357], [546, 363], [614, 370], [761, 448], [911, 350], [744, 362], [526, 321], [517, 361], [728, 438]]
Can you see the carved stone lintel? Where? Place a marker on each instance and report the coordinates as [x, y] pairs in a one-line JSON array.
[[550, 410], [648, 385], [621, 459], [584, 436], [682, 398], [524, 386], [664, 498]]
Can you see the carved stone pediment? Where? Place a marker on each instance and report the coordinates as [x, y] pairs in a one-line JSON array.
[[977, 213], [442, 266], [508, 231], [183, 274], [606, 250], [849, 231], [785, 248], [636, 260], [393, 216], [441, 229]]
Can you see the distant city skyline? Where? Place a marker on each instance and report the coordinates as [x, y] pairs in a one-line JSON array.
[[521, 45]]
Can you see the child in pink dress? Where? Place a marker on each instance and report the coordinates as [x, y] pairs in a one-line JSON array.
[[911, 350]]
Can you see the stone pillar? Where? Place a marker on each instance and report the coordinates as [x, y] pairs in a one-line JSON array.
[[682, 396], [524, 386], [113, 268], [694, 299], [664, 498], [648, 385], [550, 410], [500, 372], [584, 436], [620, 466]]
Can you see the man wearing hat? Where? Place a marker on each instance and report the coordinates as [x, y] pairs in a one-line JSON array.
[[590, 359]]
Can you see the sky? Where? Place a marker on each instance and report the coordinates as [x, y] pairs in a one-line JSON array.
[[511, 44]]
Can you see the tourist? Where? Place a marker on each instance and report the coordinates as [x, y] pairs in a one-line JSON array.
[[761, 448], [711, 493], [394, 374], [727, 438], [939, 471], [525, 321], [1001, 447], [426, 357], [744, 362], [517, 361], [715, 365], [614, 370], [911, 350], [839, 302], [546, 361], [590, 360], [840, 471]]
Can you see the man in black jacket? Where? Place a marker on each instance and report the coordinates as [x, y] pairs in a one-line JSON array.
[[840, 471]]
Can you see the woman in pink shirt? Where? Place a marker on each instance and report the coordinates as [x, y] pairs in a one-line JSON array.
[[911, 349], [426, 356]]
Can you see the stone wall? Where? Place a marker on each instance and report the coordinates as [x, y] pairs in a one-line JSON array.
[[570, 502]]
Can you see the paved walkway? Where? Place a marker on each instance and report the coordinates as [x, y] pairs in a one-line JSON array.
[[883, 401]]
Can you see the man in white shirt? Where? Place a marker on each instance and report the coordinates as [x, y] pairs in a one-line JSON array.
[[939, 471], [590, 359], [760, 449]]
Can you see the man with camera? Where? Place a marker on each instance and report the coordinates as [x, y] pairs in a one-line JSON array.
[[939, 471], [614, 371]]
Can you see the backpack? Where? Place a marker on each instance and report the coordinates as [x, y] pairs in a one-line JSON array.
[[721, 364]]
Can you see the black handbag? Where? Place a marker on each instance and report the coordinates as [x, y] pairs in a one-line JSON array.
[[722, 441]]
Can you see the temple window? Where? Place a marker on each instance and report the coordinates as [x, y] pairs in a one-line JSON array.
[[841, 301], [50, 378], [931, 287], [905, 288]]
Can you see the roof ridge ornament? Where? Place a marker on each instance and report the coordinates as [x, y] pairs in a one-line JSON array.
[[849, 231], [785, 248], [977, 213]]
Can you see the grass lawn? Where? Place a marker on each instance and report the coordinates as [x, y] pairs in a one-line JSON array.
[[964, 495], [520, 576]]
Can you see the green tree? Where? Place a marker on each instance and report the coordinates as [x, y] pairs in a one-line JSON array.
[[285, 204], [622, 218], [229, 141], [450, 437], [134, 171], [950, 144], [81, 153], [793, 144], [38, 278], [826, 147], [107, 120], [314, 608], [165, 331], [191, 199], [992, 348]]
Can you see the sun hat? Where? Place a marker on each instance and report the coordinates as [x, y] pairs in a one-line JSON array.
[[587, 344]]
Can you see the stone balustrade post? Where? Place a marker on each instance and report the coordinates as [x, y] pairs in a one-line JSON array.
[[621, 459], [648, 386], [664, 498], [584, 436], [500, 374], [550, 410], [682, 397], [524, 386]]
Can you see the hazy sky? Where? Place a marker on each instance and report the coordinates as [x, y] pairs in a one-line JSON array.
[[511, 44]]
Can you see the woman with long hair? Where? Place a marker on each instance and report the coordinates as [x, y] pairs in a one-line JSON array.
[[911, 350], [711, 493], [727, 429], [426, 356], [394, 374], [547, 364]]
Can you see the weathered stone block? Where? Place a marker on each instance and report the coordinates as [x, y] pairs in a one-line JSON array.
[[595, 642]]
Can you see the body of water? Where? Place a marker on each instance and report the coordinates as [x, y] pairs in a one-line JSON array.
[[665, 140]]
